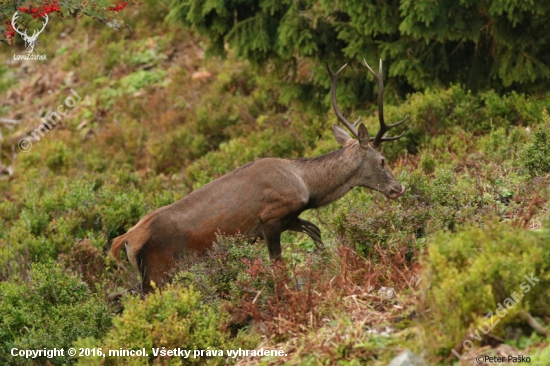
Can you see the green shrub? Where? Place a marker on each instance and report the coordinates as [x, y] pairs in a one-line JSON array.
[[444, 200], [53, 220], [173, 318], [468, 274], [232, 270], [50, 309], [364, 221], [535, 155], [56, 156], [501, 145], [428, 162], [455, 114]]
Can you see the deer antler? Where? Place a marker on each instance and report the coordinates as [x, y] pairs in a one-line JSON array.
[[44, 26], [383, 126], [334, 78], [13, 19]]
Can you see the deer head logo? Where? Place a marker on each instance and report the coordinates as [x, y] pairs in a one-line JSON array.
[[30, 41]]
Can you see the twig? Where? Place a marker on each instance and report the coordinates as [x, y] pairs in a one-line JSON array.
[[256, 298], [10, 121]]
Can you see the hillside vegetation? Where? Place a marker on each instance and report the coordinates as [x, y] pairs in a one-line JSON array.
[[460, 262]]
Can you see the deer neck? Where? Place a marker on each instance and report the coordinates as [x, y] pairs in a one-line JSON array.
[[329, 177]]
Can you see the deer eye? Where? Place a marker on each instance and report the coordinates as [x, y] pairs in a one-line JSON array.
[[382, 162]]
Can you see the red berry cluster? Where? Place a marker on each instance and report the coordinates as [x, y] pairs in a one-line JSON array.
[[118, 6], [37, 11], [9, 32]]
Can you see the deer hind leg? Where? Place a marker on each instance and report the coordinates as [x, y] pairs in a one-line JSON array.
[[309, 228], [155, 267]]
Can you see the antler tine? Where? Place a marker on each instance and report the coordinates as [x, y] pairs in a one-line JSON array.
[[36, 32], [333, 79], [45, 23], [15, 27], [384, 128]]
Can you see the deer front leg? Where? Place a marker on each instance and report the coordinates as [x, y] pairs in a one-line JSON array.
[[309, 228], [278, 210]]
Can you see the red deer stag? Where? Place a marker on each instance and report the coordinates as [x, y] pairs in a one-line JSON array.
[[262, 199]]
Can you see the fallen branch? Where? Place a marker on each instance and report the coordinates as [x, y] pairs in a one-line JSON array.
[[535, 324]]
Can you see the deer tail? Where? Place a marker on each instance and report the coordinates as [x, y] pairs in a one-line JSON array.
[[117, 246]]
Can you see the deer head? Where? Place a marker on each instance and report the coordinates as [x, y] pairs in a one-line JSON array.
[[373, 172], [30, 41]]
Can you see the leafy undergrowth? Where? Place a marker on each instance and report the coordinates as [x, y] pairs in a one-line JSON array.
[[334, 305], [157, 120], [487, 284], [50, 309]]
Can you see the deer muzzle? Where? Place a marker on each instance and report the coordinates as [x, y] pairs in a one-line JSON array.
[[395, 193]]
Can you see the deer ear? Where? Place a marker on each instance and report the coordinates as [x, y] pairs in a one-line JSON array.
[[363, 133], [340, 134]]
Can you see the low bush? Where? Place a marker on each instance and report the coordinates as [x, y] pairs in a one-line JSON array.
[[481, 280], [535, 155], [52, 221], [227, 266], [174, 317], [49, 309]]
